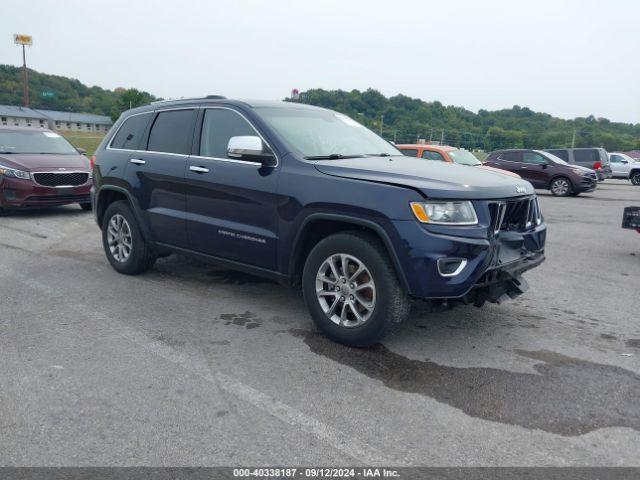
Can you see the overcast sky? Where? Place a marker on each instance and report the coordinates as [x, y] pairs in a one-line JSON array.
[[567, 58]]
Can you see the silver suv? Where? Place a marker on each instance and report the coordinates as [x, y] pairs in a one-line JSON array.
[[594, 158], [624, 166]]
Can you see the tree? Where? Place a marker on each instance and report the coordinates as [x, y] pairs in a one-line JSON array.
[[128, 99]]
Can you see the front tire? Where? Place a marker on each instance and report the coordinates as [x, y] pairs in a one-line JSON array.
[[351, 289], [560, 187], [122, 241], [635, 178]]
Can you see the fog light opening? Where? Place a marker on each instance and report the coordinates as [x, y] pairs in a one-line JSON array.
[[450, 267]]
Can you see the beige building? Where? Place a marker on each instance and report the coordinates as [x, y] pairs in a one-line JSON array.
[[55, 120]]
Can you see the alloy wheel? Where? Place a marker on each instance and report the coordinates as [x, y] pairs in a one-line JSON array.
[[119, 238], [345, 290], [635, 179], [560, 187]]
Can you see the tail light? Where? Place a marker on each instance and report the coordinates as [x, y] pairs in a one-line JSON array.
[[92, 161], [597, 165]]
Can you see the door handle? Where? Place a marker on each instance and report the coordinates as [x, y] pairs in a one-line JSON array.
[[137, 161], [199, 169]]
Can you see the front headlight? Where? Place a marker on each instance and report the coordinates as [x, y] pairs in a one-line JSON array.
[[445, 213], [10, 172]]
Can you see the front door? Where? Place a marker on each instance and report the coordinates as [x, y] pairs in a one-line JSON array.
[[534, 168], [231, 203]]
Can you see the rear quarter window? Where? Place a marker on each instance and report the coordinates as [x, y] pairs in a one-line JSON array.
[[589, 156], [130, 132]]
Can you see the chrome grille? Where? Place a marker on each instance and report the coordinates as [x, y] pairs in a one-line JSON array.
[[61, 179]]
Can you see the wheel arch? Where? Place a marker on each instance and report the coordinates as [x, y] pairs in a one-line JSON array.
[[319, 225], [110, 194]]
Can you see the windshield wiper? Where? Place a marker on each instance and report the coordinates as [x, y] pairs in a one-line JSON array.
[[332, 156], [377, 154], [5, 153]]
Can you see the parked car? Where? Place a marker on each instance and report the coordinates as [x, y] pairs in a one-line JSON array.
[[40, 168], [445, 153], [545, 171], [624, 166], [308, 196], [594, 158]]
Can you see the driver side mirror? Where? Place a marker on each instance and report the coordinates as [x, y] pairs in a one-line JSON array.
[[250, 148]]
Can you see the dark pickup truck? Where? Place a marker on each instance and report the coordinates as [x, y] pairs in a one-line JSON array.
[[308, 196]]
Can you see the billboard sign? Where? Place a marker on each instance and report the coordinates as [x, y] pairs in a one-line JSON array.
[[20, 39]]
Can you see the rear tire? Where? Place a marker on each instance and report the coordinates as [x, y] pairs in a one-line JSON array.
[[373, 300], [635, 178], [85, 206], [122, 240], [560, 187]]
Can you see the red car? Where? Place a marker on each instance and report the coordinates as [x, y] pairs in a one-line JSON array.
[[41, 168]]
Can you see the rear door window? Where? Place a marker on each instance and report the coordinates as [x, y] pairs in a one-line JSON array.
[[172, 132], [409, 152], [588, 156], [511, 156], [429, 155], [130, 133]]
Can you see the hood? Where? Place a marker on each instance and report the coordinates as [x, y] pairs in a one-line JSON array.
[[434, 179], [29, 162], [499, 170]]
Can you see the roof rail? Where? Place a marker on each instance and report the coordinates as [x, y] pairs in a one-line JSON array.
[[208, 97]]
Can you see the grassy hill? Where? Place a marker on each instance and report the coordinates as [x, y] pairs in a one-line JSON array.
[[400, 118], [55, 92]]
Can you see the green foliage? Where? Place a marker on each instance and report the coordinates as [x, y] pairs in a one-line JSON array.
[[67, 94], [405, 119], [129, 98]]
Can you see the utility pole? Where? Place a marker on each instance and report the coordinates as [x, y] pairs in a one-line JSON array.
[[573, 139], [381, 123], [442, 137], [24, 40]]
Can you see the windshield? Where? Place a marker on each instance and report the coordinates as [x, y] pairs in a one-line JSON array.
[[464, 157], [323, 133], [34, 142], [553, 158]]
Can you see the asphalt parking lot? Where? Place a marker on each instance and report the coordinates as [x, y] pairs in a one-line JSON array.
[[193, 365]]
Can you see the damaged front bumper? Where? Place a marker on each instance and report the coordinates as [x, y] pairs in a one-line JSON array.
[[490, 269]]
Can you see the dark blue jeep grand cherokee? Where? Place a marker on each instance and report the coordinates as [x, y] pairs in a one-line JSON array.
[[308, 196]]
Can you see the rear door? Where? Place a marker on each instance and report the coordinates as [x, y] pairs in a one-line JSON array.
[[157, 174], [231, 203]]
